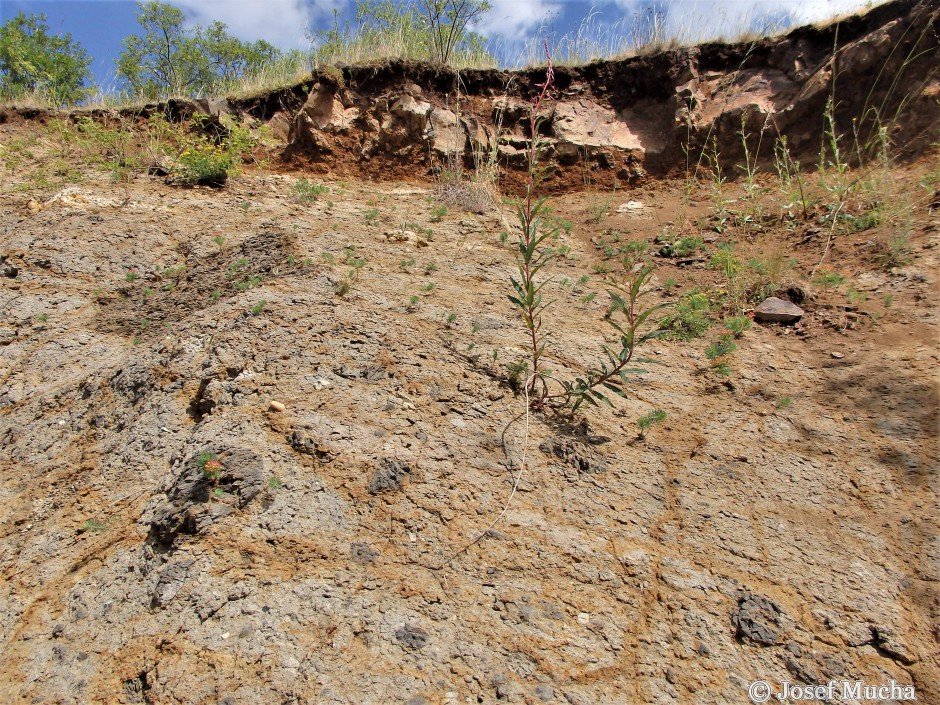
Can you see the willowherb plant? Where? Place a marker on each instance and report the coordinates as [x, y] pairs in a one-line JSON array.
[[533, 254]]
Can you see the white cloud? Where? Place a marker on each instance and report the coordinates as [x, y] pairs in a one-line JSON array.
[[694, 20], [283, 23], [514, 19]]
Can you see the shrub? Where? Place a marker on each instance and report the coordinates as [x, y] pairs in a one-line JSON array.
[[425, 30], [204, 164]]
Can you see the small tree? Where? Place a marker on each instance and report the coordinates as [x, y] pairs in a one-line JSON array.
[[33, 61], [448, 22], [157, 64], [170, 60]]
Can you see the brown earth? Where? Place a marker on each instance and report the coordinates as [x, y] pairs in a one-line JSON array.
[[779, 524]]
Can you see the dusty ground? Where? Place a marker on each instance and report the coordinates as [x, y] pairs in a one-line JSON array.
[[745, 537]]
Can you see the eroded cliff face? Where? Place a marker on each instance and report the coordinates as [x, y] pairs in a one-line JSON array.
[[620, 121]]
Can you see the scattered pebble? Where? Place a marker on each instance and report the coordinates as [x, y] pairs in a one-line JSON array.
[[399, 235], [276, 406]]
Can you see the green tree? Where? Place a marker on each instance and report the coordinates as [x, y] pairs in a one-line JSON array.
[[169, 59], [33, 61], [227, 59]]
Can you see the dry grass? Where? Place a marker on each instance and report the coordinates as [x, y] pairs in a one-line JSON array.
[[475, 195]]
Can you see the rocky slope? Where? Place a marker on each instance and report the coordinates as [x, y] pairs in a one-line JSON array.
[[780, 524]]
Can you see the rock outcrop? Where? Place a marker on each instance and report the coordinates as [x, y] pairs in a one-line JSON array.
[[623, 120]]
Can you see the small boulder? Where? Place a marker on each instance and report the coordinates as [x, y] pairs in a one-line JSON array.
[[778, 311]]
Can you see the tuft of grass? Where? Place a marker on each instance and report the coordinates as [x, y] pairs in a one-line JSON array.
[[646, 421], [689, 319], [598, 207], [93, 526], [894, 252]]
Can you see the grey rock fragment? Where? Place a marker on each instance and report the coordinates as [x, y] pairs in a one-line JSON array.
[[759, 619], [544, 692], [170, 582], [388, 476], [777, 310], [412, 637], [887, 640], [363, 553], [135, 689]]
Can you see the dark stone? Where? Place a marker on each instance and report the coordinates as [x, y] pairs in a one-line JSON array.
[[759, 619], [412, 637], [417, 700], [388, 476], [363, 553], [306, 444]]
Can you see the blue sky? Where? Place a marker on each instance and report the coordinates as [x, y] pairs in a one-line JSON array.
[[100, 25]]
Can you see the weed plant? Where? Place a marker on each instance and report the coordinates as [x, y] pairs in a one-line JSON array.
[[304, 191]]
